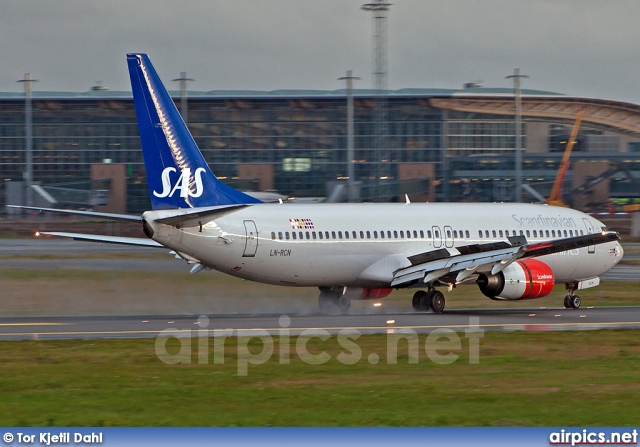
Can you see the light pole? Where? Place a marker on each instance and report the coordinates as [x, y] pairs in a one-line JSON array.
[[516, 76], [350, 131], [28, 174], [184, 111]]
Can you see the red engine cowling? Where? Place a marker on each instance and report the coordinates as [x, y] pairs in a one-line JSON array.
[[519, 281]]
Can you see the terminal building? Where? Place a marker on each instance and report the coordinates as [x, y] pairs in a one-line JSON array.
[[439, 145]]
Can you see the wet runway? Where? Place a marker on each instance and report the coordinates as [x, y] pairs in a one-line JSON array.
[[66, 254], [533, 319]]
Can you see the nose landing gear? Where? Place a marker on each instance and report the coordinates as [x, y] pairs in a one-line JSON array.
[[571, 301]]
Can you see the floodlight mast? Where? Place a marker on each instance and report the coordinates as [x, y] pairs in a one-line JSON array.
[[350, 131], [28, 174], [184, 110], [383, 156], [516, 76]]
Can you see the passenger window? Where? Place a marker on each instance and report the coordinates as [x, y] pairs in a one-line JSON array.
[[493, 232], [571, 233], [308, 235], [339, 234], [565, 233], [449, 234], [280, 235], [320, 235], [273, 235], [368, 235], [355, 235], [293, 234], [486, 233], [375, 235], [467, 234], [313, 234], [409, 234], [415, 234], [422, 234], [389, 234], [286, 235], [437, 234], [346, 235], [362, 235], [326, 235], [382, 235], [480, 233], [535, 233], [301, 235], [428, 233], [528, 234], [333, 235], [401, 234], [547, 232]]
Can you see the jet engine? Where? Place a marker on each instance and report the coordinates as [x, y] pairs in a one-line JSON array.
[[519, 281]]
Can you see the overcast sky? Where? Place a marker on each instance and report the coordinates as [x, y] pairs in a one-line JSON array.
[[577, 47]]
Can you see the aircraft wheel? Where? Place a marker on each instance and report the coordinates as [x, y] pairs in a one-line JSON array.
[[343, 303], [437, 301], [566, 302], [417, 299], [575, 302], [425, 300], [325, 302], [332, 302]]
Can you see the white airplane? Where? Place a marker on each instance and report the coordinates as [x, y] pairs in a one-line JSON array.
[[511, 251]]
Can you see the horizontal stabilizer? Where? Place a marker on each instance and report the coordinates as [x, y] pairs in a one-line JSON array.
[[137, 241], [108, 216]]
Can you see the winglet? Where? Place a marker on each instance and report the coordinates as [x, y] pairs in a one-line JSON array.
[[177, 173]]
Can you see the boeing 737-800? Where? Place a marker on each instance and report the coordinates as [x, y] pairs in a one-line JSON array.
[[512, 251]]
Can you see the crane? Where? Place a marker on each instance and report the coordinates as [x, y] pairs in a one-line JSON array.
[[555, 198]]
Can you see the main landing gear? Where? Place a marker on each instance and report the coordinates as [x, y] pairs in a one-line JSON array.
[[571, 301], [332, 301], [432, 300]]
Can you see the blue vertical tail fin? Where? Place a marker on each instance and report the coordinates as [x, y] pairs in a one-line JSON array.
[[177, 173]]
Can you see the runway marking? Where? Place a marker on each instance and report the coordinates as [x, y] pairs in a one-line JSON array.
[[334, 328]]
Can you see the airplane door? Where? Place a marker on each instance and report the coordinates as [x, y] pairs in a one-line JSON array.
[[448, 237], [590, 230], [251, 240], [437, 237]]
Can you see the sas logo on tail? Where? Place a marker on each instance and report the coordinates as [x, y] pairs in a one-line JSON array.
[[181, 184]]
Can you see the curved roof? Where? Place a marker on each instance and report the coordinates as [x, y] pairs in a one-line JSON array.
[[621, 116]]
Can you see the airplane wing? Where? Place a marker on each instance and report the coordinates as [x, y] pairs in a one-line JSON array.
[[137, 241], [493, 257]]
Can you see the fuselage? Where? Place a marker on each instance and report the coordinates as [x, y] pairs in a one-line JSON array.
[[362, 245]]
